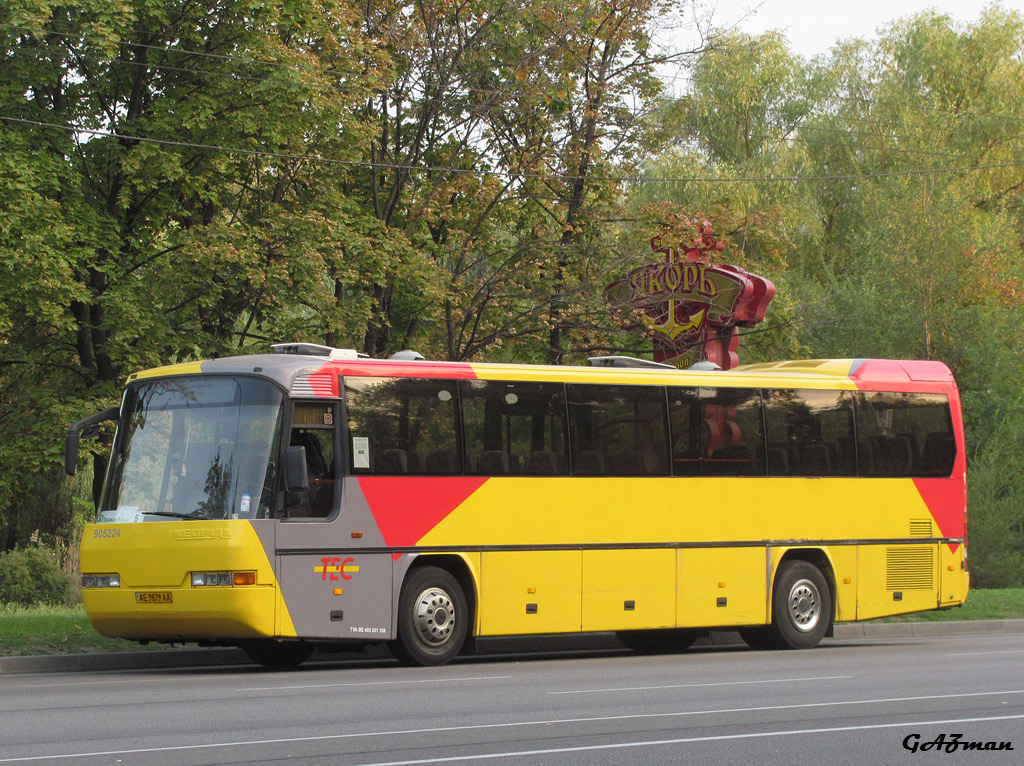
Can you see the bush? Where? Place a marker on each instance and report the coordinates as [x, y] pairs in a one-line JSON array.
[[32, 576], [995, 502]]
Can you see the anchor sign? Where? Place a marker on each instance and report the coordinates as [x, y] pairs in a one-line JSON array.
[[673, 328], [690, 306]]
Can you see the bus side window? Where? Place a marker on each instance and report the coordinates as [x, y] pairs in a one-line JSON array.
[[905, 434], [513, 428], [618, 430], [809, 432], [402, 426], [685, 420], [716, 432]]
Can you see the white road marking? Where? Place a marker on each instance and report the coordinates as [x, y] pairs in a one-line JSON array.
[[194, 678], [437, 681], [688, 740], [694, 686], [107, 682], [513, 724]]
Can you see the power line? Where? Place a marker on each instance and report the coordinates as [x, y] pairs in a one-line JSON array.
[[168, 49], [800, 126], [637, 179], [319, 70]]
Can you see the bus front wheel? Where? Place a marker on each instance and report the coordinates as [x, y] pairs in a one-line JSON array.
[[433, 618], [801, 606]]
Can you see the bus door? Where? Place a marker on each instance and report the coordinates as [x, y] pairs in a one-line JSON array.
[[330, 587]]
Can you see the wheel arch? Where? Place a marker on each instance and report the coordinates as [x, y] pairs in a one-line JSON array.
[[461, 566], [818, 558]]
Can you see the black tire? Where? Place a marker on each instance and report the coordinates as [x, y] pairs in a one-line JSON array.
[[433, 618], [278, 655], [801, 606], [663, 641], [757, 638]]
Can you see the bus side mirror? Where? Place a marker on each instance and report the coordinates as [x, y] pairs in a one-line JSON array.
[[84, 428], [296, 477], [296, 473]]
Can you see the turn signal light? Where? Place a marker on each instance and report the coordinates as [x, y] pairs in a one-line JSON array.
[[204, 579]]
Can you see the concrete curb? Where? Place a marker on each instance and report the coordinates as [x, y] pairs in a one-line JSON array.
[[169, 658], [919, 629], [204, 658]]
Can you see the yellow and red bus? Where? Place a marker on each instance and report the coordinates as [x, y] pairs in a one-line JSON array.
[[310, 497]]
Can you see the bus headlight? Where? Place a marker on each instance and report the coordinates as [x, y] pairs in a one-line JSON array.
[[101, 581]]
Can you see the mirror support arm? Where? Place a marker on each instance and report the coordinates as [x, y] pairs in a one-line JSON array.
[[74, 434]]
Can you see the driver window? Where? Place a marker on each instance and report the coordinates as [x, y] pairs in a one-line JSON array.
[[313, 430]]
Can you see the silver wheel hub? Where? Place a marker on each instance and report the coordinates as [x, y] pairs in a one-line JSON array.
[[804, 605], [435, 616]]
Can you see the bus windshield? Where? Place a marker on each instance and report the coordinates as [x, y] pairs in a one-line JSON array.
[[194, 448]]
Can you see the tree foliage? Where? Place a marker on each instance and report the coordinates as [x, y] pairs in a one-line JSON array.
[[172, 176], [32, 576]]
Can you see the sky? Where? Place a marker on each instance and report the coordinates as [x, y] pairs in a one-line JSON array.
[[813, 26]]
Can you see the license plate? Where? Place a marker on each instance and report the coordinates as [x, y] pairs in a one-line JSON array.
[[158, 597]]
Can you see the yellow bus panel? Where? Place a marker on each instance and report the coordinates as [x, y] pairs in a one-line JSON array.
[[896, 578], [844, 567], [530, 592], [722, 586], [624, 589], [954, 580]]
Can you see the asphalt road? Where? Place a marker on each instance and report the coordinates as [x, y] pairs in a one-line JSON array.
[[860, 701]]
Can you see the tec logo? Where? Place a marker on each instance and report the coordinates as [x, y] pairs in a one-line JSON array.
[[336, 568]]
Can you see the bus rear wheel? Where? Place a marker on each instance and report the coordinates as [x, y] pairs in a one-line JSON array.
[[433, 618], [801, 607], [278, 655]]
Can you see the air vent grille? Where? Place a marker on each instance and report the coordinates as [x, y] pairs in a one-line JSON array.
[[910, 567], [920, 527], [314, 384]]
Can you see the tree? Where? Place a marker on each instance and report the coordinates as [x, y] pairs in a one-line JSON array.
[[172, 175], [930, 227], [494, 146], [734, 133]]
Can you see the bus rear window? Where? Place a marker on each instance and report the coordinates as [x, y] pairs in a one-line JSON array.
[[904, 434]]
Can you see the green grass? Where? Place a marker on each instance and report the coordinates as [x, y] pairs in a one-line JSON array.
[[55, 630], [66, 630]]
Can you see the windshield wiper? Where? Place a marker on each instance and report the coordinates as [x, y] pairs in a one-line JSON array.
[[175, 515]]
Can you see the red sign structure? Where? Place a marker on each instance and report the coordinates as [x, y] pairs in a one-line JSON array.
[[691, 308]]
